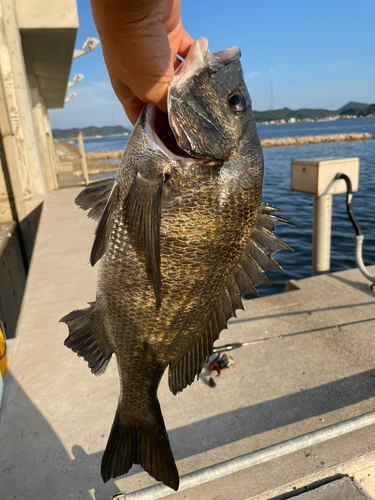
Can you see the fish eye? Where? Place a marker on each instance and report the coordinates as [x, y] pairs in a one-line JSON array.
[[237, 102]]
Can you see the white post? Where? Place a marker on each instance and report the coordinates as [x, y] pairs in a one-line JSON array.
[[49, 138], [48, 166], [318, 177], [83, 157], [321, 239]]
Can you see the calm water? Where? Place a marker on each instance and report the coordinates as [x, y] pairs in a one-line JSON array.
[[105, 143], [276, 190], [317, 128]]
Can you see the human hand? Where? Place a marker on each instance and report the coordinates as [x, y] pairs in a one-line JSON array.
[[140, 40]]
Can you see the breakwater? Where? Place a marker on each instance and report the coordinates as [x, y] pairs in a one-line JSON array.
[[315, 139]]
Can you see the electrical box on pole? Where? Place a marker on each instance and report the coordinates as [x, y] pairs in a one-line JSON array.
[[319, 178]]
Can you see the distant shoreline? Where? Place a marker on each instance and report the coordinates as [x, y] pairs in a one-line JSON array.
[[266, 123], [312, 120]]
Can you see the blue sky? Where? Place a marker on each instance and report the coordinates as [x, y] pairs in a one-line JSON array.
[[315, 53]]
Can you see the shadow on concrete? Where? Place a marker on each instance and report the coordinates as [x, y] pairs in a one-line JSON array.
[[12, 284], [312, 330], [34, 464], [14, 265], [241, 423], [29, 229], [232, 426], [308, 311], [363, 287], [36, 461], [309, 487]]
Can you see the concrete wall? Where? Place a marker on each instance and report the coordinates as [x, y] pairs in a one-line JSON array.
[[37, 40], [49, 14]]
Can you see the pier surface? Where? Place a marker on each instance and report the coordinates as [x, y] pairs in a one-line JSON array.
[[56, 416]]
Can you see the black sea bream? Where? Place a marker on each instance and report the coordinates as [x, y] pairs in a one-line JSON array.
[[182, 236]]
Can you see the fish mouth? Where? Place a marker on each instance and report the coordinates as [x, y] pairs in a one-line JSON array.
[[198, 59], [166, 129], [170, 141]]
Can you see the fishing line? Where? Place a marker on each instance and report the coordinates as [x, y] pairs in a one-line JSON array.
[[237, 345]]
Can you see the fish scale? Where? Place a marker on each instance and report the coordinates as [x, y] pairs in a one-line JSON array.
[[182, 235]]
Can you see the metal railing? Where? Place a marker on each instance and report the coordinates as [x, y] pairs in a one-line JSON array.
[[253, 458]]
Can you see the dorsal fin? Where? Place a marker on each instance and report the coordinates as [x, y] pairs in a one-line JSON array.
[[242, 279], [95, 196], [104, 227]]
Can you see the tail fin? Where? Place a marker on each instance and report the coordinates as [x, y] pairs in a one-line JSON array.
[[140, 443]]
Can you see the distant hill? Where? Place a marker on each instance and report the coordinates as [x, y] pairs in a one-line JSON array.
[[89, 131], [351, 105], [361, 110], [352, 108], [286, 114]]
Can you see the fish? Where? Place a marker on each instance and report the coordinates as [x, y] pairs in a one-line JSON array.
[[182, 235]]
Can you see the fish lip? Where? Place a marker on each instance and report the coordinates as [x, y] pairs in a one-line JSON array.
[[179, 133], [199, 57]]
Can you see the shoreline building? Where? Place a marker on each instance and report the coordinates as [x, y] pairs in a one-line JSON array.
[[37, 39]]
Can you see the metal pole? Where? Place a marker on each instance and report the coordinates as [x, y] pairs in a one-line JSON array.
[[321, 243], [358, 238], [83, 157], [253, 458]]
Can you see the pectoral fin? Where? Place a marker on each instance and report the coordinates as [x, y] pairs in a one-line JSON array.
[[142, 211]]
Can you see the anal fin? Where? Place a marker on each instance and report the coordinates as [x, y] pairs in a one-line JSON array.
[[183, 373]]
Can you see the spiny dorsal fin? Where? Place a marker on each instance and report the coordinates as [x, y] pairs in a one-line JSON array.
[[142, 212], [242, 279], [95, 196], [104, 227]]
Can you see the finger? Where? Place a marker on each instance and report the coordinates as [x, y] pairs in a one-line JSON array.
[[161, 101], [185, 44], [133, 111], [131, 104]]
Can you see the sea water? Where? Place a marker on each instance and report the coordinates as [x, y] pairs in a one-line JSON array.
[[299, 207]]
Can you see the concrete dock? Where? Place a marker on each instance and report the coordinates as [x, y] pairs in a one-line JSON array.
[[56, 416]]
